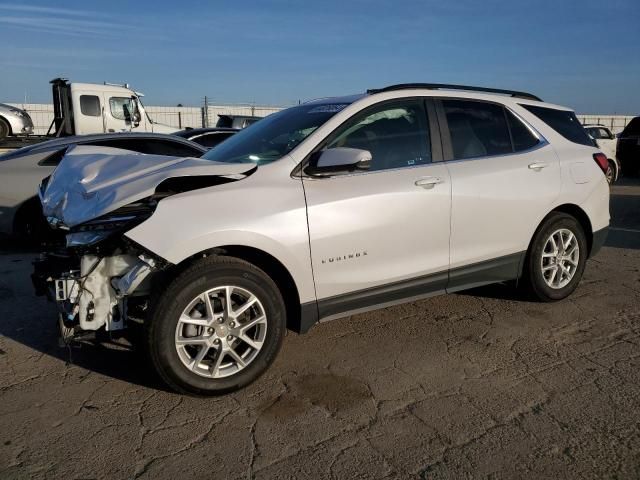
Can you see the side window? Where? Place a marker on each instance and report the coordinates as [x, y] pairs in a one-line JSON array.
[[151, 146], [564, 122], [605, 134], [121, 108], [523, 138], [396, 134], [90, 105], [212, 139], [477, 129]]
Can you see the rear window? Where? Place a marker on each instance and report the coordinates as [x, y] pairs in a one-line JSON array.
[[564, 122]]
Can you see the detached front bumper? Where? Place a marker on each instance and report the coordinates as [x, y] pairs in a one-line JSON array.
[[91, 291]]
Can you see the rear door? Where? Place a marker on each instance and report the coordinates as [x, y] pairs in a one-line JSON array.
[[381, 235], [504, 180]]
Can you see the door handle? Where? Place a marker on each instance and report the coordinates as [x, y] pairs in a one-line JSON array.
[[538, 166], [428, 182]]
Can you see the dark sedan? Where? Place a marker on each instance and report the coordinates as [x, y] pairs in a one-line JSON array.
[[207, 137]]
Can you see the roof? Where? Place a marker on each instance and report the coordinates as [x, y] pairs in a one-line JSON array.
[[63, 141]]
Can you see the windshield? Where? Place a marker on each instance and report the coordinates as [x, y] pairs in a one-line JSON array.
[[274, 136]]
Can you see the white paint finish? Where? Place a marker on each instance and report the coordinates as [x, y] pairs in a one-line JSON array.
[[265, 211], [496, 204], [402, 227], [91, 181], [579, 172], [498, 201]]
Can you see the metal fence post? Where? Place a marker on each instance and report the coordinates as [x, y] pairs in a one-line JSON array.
[[205, 113]]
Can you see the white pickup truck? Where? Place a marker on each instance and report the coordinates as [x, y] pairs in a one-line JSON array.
[[82, 108]]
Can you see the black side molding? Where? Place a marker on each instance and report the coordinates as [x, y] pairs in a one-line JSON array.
[[508, 267], [599, 238]]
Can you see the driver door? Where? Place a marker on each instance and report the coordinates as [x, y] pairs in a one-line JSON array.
[[381, 236]]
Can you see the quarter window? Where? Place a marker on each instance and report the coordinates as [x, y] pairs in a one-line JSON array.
[[564, 122], [477, 129], [396, 134], [121, 108], [90, 105], [523, 138]]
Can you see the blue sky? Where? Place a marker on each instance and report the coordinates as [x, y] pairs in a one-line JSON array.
[[581, 53]]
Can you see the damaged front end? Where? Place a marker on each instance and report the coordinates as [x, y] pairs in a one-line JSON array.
[[101, 279]]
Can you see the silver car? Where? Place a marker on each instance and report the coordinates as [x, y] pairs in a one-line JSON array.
[[14, 121]]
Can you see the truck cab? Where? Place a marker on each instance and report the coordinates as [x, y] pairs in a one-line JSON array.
[[82, 108]]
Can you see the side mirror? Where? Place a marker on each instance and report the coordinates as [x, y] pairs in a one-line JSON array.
[[338, 160]]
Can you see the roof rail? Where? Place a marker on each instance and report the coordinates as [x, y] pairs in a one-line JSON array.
[[446, 86]]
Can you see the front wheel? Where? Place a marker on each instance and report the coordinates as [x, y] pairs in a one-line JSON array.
[[556, 258], [5, 129], [216, 328]]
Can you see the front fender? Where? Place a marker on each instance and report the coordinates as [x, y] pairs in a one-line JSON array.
[[265, 215]]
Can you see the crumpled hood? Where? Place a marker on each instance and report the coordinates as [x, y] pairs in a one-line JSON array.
[[91, 181]]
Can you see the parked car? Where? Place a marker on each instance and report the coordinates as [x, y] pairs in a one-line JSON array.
[[606, 141], [628, 149], [14, 121], [21, 171], [332, 207], [236, 121], [207, 137]]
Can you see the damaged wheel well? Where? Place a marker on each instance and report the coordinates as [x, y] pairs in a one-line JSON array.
[[268, 264]]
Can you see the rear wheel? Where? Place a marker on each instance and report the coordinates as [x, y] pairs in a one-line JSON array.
[[611, 173], [216, 328], [556, 258], [5, 129]]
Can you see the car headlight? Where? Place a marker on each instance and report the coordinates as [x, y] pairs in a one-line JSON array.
[[101, 228], [18, 113]]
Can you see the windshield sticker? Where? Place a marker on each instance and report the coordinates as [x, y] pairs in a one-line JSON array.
[[335, 108]]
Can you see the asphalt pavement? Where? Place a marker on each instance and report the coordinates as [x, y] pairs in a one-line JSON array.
[[478, 384]]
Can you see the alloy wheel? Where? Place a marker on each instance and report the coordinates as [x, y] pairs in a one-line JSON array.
[[221, 331], [560, 258]]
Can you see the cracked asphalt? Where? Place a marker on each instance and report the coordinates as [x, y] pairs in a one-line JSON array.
[[479, 384]]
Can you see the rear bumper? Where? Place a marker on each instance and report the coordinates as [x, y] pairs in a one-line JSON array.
[[599, 237]]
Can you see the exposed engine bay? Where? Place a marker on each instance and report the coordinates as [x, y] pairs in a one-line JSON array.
[[100, 278]]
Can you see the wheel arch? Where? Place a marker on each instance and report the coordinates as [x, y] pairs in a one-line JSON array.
[[8, 123], [22, 212], [273, 267], [576, 212]]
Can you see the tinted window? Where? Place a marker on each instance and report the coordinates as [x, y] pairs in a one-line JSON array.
[[523, 138], [633, 128], [210, 140], [54, 158], [274, 136], [121, 107], [90, 105], [396, 134], [150, 146], [562, 121], [477, 129]]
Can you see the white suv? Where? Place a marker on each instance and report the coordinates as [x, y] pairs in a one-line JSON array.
[[336, 206]]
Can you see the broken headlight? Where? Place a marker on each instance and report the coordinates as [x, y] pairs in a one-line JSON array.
[[101, 228]]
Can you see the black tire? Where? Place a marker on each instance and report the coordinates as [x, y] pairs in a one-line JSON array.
[[203, 275], [5, 129], [611, 173], [533, 276]]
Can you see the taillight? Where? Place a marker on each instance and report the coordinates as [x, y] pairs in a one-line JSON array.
[[601, 160]]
